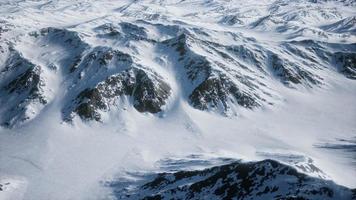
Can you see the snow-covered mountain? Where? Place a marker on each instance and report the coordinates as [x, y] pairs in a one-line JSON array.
[[90, 89], [265, 179]]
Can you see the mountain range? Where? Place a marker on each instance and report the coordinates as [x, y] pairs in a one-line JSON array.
[[92, 92]]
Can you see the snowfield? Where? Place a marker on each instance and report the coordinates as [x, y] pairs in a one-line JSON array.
[[98, 98]]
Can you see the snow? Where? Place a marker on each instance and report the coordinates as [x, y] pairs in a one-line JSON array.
[[47, 158], [61, 162], [12, 188]]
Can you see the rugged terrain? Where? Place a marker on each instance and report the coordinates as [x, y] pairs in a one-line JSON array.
[[135, 82], [265, 179]]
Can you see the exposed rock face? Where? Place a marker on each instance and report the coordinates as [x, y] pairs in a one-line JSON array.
[[216, 91], [24, 85], [212, 74], [21, 90], [99, 59], [111, 75], [149, 93], [346, 63], [231, 20], [133, 31], [289, 73], [340, 56], [61, 36], [29, 81], [216, 86], [123, 31], [267, 179]]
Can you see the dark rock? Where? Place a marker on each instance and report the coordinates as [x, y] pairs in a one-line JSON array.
[[263, 180], [148, 97], [289, 73], [346, 63], [218, 88], [21, 84], [149, 93], [28, 81], [132, 31], [215, 91]]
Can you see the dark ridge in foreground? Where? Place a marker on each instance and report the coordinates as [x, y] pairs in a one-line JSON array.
[[267, 179]]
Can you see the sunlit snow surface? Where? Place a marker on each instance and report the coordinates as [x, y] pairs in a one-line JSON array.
[[312, 129]]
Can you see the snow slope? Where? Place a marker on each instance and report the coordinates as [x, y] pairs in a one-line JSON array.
[[90, 90]]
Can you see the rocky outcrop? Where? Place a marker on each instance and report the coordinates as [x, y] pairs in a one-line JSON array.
[[60, 36], [341, 57], [148, 92], [267, 179], [216, 91], [213, 75], [21, 90], [216, 86], [99, 59], [346, 63], [290, 73], [124, 31]]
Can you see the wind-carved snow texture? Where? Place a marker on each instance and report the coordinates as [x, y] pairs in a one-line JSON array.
[[347, 146], [201, 73]]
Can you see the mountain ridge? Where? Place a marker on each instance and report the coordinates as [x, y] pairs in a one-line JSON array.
[[90, 90]]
